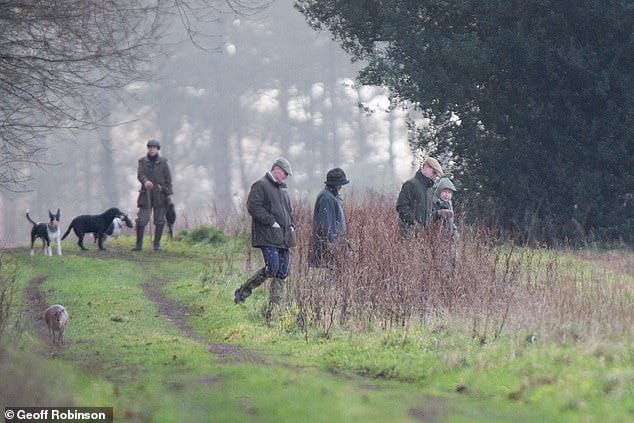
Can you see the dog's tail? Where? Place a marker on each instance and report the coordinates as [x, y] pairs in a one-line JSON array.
[[68, 230], [29, 217]]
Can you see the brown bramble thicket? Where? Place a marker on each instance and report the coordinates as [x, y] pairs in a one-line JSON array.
[[477, 283]]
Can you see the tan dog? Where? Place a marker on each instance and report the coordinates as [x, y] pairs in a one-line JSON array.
[[56, 318]]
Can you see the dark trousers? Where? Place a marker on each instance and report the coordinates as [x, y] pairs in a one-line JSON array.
[[276, 262], [276, 266]]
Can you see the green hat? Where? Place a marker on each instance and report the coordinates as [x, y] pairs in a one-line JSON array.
[[284, 164]]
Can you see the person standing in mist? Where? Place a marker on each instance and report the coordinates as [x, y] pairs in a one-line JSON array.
[[415, 201], [155, 195], [272, 231], [329, 223]]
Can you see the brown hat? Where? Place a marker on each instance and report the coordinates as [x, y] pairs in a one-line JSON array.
[[284, 164], [433, 163]]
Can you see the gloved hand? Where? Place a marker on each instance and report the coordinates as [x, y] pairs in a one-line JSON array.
[[170, 200], [276, 225], [148, 185], [445, 213]]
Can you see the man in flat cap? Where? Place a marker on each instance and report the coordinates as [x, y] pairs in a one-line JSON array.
[[155, 194], [415, 201], [329, 222], [272, 231]]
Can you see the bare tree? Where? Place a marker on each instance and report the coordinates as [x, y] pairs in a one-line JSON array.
[[59, 60]]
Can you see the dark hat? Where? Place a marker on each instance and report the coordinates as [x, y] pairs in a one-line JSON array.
[[336, 177], [154, 143]]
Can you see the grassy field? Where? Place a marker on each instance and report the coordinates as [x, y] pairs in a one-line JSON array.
[[157, 337]]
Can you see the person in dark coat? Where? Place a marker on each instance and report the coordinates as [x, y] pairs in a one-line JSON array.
[[415, 201], [272, 231], [329, 223], [155, 194]]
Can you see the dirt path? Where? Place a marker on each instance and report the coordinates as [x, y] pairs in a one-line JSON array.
[[172, 312], [36, 305], [176, 314], [431, 410]]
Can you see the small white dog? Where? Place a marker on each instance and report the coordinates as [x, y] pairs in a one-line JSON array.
[[116, 227]]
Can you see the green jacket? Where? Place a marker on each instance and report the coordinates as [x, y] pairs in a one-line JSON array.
[[414, 204], [158, 172], [268, 202]]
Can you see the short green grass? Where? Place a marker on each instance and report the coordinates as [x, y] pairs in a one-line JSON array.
[[121, 352], [529, 380]]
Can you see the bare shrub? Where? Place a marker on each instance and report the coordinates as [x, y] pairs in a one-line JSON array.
[[487, 287], [8, 288]]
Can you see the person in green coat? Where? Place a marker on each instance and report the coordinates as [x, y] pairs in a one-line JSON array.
[[415, 201], [155, 194], [272, 231]]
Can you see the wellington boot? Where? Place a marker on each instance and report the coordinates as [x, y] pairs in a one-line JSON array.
[[140, 230], [276, 295], [253, 282], [158, 232]]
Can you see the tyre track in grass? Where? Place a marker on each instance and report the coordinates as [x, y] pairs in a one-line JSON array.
[[176, 314], [170, 310], [431, 410], [36, 305]]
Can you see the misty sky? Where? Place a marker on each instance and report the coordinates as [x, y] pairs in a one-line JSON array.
[[268, 85]]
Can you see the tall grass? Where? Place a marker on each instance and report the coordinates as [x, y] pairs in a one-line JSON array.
[[476, 283], [8, 289]]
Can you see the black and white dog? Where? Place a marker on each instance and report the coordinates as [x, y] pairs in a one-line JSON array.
[[48, 232], [96, 224]]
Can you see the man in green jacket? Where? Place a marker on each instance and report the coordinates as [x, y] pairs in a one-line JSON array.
[[415, 201], [153, 172], [272, 231]]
